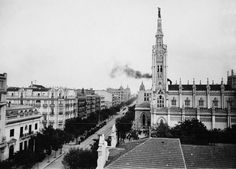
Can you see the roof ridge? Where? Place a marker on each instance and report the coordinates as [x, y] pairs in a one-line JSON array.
[[127, 153], [182, 153]]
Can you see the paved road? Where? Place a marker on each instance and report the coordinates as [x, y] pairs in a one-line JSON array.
[[86, 144]]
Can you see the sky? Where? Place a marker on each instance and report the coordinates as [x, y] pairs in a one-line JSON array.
[[76, 43]]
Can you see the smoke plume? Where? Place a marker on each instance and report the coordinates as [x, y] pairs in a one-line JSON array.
[[129, 72]]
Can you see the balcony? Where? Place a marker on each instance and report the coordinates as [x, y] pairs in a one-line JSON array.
[[60, 113], [3, 143], [45, 105], [52, 105], [26, 135]]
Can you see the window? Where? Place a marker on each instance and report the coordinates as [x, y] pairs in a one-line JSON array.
[[21, 146], [11, 151], [160, 101], [38, 94], [21, 131], [215, 102], [25, 145], [30, 128], [201, 102], [157, 68], [161, 69], [12, 94], [11, 132], [173, 102], [187, 102], [36, 126]]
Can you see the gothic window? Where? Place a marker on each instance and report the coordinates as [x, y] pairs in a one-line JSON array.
[[143, 120], [215, 102], [187, 102], [229, 102], [173, 102], [157, 68], [161, 69], [201, 102], [160, 101]]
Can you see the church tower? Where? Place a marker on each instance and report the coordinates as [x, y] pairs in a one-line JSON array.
[[159, 79]]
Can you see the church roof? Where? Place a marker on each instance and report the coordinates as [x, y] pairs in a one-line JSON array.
[[219, 156], [201, 87], [153, 153], [143, 105]]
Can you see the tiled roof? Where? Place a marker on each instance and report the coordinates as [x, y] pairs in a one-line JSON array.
[[219, 156], [153, 153], [201, 87], [143, 105], [41, 89], [173, 87], [13, 89], [215, 87]]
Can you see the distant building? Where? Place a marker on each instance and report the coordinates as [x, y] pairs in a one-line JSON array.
[[212, 104], [88, 102], [106, 98], [55, 104], [119, 95], [3, 92]]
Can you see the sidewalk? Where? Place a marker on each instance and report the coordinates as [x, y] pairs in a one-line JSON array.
[[48, 160]]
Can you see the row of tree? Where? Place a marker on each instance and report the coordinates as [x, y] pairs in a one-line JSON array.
[[195, 132], [40, 145], [124, 124]]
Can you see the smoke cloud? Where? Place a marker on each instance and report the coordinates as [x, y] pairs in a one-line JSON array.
[[129, 72]]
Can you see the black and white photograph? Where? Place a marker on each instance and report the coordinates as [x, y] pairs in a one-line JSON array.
[[117, 84]]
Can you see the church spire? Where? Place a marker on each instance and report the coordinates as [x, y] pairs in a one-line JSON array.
[[159, 12], [159, 34]]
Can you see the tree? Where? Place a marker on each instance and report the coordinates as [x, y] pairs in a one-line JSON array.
[[162, 130], [191, 132], [80, 159], [124, 124]]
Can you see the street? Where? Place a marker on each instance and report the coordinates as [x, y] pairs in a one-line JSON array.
[[106, 130]]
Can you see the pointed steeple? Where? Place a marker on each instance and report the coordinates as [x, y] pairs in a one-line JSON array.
[[159, 34], [142, 87]]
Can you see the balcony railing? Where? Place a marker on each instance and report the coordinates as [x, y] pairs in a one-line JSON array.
[[26, 135]]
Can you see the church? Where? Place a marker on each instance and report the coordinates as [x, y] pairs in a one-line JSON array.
[[212, 104]]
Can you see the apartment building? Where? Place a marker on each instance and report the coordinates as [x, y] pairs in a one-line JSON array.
[[119, 95], [56, 104], [3, 91]]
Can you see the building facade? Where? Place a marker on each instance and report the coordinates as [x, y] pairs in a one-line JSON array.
[[119, 95], [22, 122], [212, 104], [55, 104], [106, 98], [3, 92], [88, 102]]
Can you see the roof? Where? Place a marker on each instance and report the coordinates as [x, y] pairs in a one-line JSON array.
[[143, 105], [219, 156], [153, 153], [13, 89], [215, 87]]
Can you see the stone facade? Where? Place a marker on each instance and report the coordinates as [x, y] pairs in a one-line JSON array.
[[3, 92], [213, 104], [119, 95], [55, 104]]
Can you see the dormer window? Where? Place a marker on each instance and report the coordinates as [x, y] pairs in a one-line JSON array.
[[201, 102], [187, 102], [173, 102], [215, 102]]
